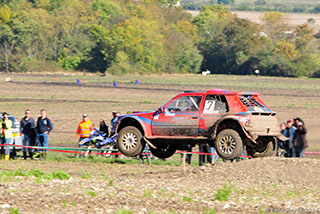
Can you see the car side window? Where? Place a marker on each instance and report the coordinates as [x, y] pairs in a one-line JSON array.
[[184, 104], [215, 104]]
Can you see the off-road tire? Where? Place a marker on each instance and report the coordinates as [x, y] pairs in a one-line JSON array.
[[165, 151], [129, 141], [267, 152], [228, 144]]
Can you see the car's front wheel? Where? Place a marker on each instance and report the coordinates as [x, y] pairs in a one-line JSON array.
[[129, 141], [228, 144]]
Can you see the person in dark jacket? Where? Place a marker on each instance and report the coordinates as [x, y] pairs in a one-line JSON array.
[[300, 140], [104, 127], [44, 127], [296, 120], [27, 128]]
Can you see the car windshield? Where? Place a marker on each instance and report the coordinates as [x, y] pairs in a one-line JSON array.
[[185, 104]]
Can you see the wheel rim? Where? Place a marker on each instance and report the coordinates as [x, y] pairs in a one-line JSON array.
[[129, 141], [227, 144]]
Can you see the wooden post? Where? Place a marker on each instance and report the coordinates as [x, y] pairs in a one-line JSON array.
[[183, 161]]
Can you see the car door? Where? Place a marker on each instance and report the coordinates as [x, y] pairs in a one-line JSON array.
[[180, 117], [215, 106]]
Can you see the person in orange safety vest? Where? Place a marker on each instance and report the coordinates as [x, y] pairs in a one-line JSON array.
[[84, 128]]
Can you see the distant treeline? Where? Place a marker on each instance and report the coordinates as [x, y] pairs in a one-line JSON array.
[[149, 36], [255, 5]]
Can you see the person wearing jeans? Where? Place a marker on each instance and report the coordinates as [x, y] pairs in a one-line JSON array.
[[214, 155], [5, 135], [44, 127], [27, 128]]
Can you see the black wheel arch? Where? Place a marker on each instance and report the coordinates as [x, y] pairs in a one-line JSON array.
[[227, 123]]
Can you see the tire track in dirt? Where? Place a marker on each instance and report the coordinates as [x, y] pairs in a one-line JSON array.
[[92, 86], [55, 100], [162, 88]]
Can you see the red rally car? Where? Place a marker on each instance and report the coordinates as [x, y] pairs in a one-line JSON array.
[[223, 119]]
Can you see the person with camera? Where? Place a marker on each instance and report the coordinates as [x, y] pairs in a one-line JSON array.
[[299, 139], [5, 135], [27, 128]]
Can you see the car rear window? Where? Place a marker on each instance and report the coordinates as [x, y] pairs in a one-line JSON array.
[[252, 104]]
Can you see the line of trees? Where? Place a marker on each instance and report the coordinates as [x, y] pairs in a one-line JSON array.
[[257, 5], [149, 36]]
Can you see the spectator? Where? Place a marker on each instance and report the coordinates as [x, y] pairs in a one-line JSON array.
[[204, 148], [281, 144], [282, 127], [104, 127], [5, 135], [296, 120], [214, 155], [300, 140], [27, 128], [188, 155], [114, 121], [289, 133], [84, 127], [44, 127], [187, 148]]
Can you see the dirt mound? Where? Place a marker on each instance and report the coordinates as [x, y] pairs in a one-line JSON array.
[[250, 186]]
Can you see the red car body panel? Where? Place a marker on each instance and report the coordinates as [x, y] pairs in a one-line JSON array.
[[254, 116]]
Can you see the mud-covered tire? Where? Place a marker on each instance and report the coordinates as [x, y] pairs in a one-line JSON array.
[[228, 144], [164, 152], [129, 141], [267, 151]]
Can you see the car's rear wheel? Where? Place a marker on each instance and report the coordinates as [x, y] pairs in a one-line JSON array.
[[263, 149], [165, 151], [228, 144], [129, 141]]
